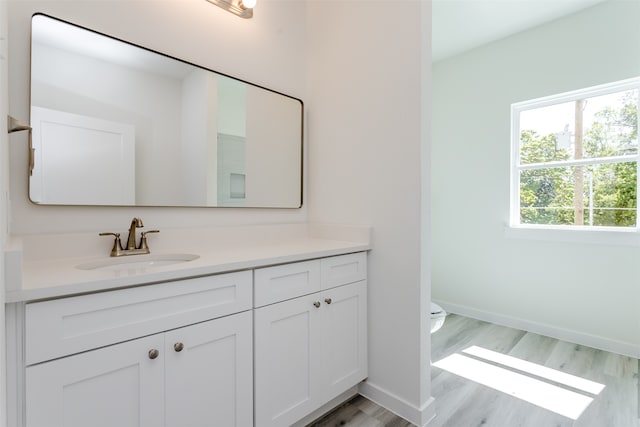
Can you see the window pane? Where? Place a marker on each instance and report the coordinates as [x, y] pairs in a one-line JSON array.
[[595, 195], [609, 128]]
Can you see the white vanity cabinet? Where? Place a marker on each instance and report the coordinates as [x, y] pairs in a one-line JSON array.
[[309, 348], [266, 346], [195, 375]]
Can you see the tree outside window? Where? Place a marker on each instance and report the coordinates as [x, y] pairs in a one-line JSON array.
[[576, 158]]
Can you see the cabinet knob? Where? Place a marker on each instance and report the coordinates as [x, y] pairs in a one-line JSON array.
[[178, 347], [153, 353], [328, 300], [316, 304]]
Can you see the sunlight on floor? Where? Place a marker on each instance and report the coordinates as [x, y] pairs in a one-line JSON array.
[[537, 370], [543, 387]]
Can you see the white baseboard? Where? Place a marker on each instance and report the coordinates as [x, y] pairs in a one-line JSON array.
[[576, 337], [420, 416]]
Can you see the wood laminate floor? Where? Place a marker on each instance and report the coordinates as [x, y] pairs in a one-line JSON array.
[[601, 386]]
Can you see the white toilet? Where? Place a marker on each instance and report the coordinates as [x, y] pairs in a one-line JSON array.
[[437, 317]]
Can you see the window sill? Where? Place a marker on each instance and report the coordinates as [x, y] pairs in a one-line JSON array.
[[600, 235]]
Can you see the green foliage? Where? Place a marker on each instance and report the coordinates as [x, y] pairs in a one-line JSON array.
[[547, 195]]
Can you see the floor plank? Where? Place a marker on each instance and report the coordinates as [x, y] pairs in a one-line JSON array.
[[463, 403], [360, 412]]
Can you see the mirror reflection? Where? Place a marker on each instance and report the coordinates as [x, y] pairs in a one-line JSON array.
[[116, 124]]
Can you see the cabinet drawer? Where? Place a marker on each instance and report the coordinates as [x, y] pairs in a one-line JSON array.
[[282, 282], [343, 269], [66, 326]]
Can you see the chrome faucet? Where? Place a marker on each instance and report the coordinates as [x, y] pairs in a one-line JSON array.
[[131, 248]]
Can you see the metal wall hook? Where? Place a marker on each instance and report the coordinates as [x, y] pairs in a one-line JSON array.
[[15, 125]]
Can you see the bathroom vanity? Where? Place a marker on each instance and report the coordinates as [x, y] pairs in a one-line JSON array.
[[257, 336], [231, 326]]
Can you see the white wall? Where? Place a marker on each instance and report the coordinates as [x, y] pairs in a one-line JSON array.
[[199, 138], [584, 292], [365, 83], [260, 161], [232, 106], [4, 187], [268, 50]]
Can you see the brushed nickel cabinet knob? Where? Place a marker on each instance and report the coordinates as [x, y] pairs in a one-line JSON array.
[[178, 347], [328, 300], [153, 353], [316, 304]]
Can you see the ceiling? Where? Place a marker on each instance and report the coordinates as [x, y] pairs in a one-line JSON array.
[[462, 25]]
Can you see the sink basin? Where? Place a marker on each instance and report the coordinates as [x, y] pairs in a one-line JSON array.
[[137, 262]]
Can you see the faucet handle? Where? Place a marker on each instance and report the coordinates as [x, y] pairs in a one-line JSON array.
[[143, 239], [117, 245]]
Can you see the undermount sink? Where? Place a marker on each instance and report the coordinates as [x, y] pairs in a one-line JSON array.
[[136, 262]]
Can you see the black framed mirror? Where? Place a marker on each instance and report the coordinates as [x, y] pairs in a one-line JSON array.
[[116, 124]]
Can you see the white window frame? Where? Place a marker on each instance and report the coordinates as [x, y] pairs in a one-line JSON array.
[[516, 167]]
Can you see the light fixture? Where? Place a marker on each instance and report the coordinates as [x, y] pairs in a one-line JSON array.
[[242, 8]]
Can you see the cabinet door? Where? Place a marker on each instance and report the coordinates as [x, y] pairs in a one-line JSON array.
[[344, 338], [208, 374], [287, 357], [118, 385]]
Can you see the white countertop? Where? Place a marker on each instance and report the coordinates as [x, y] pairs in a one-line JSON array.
[[42, 277]]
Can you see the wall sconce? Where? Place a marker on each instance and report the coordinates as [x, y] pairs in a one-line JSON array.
[[242, 8]]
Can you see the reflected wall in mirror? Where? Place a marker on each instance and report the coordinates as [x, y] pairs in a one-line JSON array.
[[117, 124]]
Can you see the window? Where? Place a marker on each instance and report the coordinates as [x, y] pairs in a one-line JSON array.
[[575, 158]]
